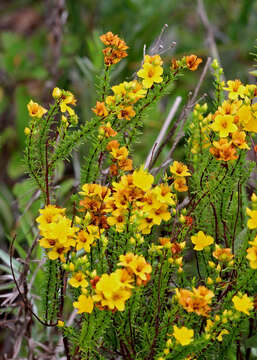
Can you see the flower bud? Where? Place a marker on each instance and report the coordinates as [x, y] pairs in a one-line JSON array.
[[57, 93], [27, 131]]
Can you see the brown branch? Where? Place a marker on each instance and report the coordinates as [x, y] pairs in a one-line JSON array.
[[24, 299]]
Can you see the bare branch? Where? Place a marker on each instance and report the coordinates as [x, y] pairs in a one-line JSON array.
[[162, 132], [209, 32], [182, 119]]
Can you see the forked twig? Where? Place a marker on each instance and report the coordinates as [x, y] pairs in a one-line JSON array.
[[182, 119]]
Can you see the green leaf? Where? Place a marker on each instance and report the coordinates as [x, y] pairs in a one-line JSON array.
[[251, 342], [5, 257]]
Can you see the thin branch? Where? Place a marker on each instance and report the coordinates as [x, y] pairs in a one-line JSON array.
[[183, 117], [149, 161], [24, 299], [209, 32]]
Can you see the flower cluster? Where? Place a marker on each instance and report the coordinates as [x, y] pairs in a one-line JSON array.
[[115, 48], [111, 291], [119, 155], [64, 100], [252, 225], [180, 173], [131, 243], [197, 301], [190, 62], [58, 234], [120, 104], [174, 251], [233, 120]]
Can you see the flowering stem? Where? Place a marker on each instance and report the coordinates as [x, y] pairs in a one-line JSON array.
[[46, 175], [237, 216], [197, 265]]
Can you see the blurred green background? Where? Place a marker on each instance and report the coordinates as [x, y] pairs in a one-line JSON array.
[[56, 42]]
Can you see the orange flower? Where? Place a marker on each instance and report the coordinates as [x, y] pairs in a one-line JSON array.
[[125, 164], [100, 109], [112, 145], [109, 39], [223, 150], [115, 49], [113, 169], [238, 139], [126, 113], [107, 130], [196, 301], [174, 64], [223, 255], [180, 184], [193, 62]]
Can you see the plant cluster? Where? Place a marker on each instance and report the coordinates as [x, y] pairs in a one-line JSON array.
[[157, 267]]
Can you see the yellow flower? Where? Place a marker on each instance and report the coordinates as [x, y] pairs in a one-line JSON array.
[[49, 214], [224, 124], [164, 195], [118, 219], [201, 241], [179, 169], [183, 335], [84, 240], [142, 179], [145, 225], [35, 110], [155, 60], [60, 323], [252, 253], [238, 139], [58, 252], [67, 98], [57, 93], [27, 131], [149, 201], [243, 303], [252, 223], [84, 304], [111, 292], [229, 108], [251, 124], [61, 230], [150, 74], [244, 115], [235, 89], [159, 214], [78, 279], [47, 243], [223, 332]]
